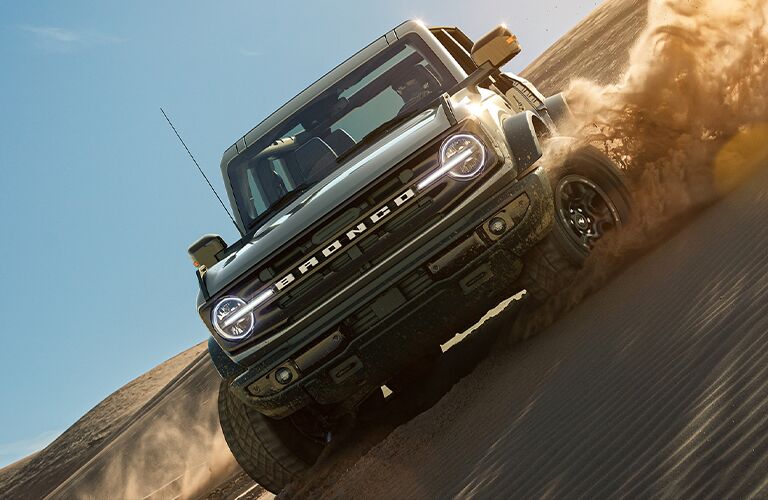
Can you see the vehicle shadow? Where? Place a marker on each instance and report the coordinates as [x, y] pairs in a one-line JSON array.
[[377, 421]]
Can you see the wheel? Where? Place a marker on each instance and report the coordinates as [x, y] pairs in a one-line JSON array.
[[591, 199], [272, 452]]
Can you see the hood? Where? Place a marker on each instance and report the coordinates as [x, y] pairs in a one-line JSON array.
[[347, 181]]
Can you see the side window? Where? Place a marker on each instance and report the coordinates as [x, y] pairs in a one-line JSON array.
[[458, 45]]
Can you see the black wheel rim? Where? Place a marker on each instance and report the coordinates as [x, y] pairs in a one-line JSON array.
[[585, 210]]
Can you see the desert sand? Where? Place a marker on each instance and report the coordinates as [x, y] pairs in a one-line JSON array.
[[38, 474], [649, 380]]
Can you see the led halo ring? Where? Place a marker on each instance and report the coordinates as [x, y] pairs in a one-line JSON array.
[[476, 145], [244, 326]]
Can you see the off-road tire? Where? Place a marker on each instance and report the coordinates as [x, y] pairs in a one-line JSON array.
[[268, 450], [547, 271], [553, 263]]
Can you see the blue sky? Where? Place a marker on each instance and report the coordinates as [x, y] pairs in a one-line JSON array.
[[98, 202]]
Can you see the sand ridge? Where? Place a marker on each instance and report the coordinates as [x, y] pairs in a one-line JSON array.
[[36, 476]]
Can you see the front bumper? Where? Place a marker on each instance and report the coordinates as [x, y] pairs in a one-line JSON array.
[[459, 271]]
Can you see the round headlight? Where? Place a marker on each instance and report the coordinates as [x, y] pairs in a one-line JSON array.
[[236, 331], [466, 152]]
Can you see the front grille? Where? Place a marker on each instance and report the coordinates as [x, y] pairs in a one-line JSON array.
[[365, 246], [371, 247], [407, 215], [362, 321], [409, 287], [371, 244], [308, 284], [415, 283]]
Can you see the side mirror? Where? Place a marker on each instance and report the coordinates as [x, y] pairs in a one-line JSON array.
[[498, 47], [204, 250]]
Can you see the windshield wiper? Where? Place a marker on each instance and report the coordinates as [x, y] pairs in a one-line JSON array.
[[380, 131], [283, 202]]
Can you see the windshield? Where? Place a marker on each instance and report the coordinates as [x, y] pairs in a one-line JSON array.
[[304, 148]]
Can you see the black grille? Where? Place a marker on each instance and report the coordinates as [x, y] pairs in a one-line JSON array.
[[371, 248], [362, 321], [411, 286], [301, 289], [415, 283], [364, 246]]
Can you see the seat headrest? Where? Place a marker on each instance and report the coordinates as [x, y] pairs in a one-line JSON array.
[[313, 158], [425, 75]]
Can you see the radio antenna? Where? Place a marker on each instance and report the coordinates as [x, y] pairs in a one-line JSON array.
[[201, 172]]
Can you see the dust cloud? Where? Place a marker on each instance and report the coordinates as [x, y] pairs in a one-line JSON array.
[[687, 122], [696, 85], [175, 454]]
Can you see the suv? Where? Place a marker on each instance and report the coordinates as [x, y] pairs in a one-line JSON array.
[[382, 210]]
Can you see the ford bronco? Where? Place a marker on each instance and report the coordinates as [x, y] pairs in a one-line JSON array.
[[382, 210]]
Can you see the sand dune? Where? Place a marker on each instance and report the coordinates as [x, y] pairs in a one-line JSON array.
[[174, 448], [38, 475]]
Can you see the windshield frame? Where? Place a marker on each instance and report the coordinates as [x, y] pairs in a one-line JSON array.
[[433, 50]]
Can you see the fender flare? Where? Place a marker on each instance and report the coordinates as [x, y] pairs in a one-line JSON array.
[[523, 132], [558, 109], [226, 368]]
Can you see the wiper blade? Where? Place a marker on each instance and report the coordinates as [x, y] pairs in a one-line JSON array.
[[283, 202], [379, 131]]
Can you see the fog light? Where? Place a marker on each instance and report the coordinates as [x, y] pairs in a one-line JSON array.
[[283, 375], [497, 226]]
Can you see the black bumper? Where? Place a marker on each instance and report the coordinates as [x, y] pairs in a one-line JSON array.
[[466, 272]]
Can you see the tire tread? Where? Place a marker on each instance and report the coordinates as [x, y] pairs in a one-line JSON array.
[[255, 445]]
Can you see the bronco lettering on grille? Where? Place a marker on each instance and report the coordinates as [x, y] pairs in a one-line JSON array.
[[345, 239]]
